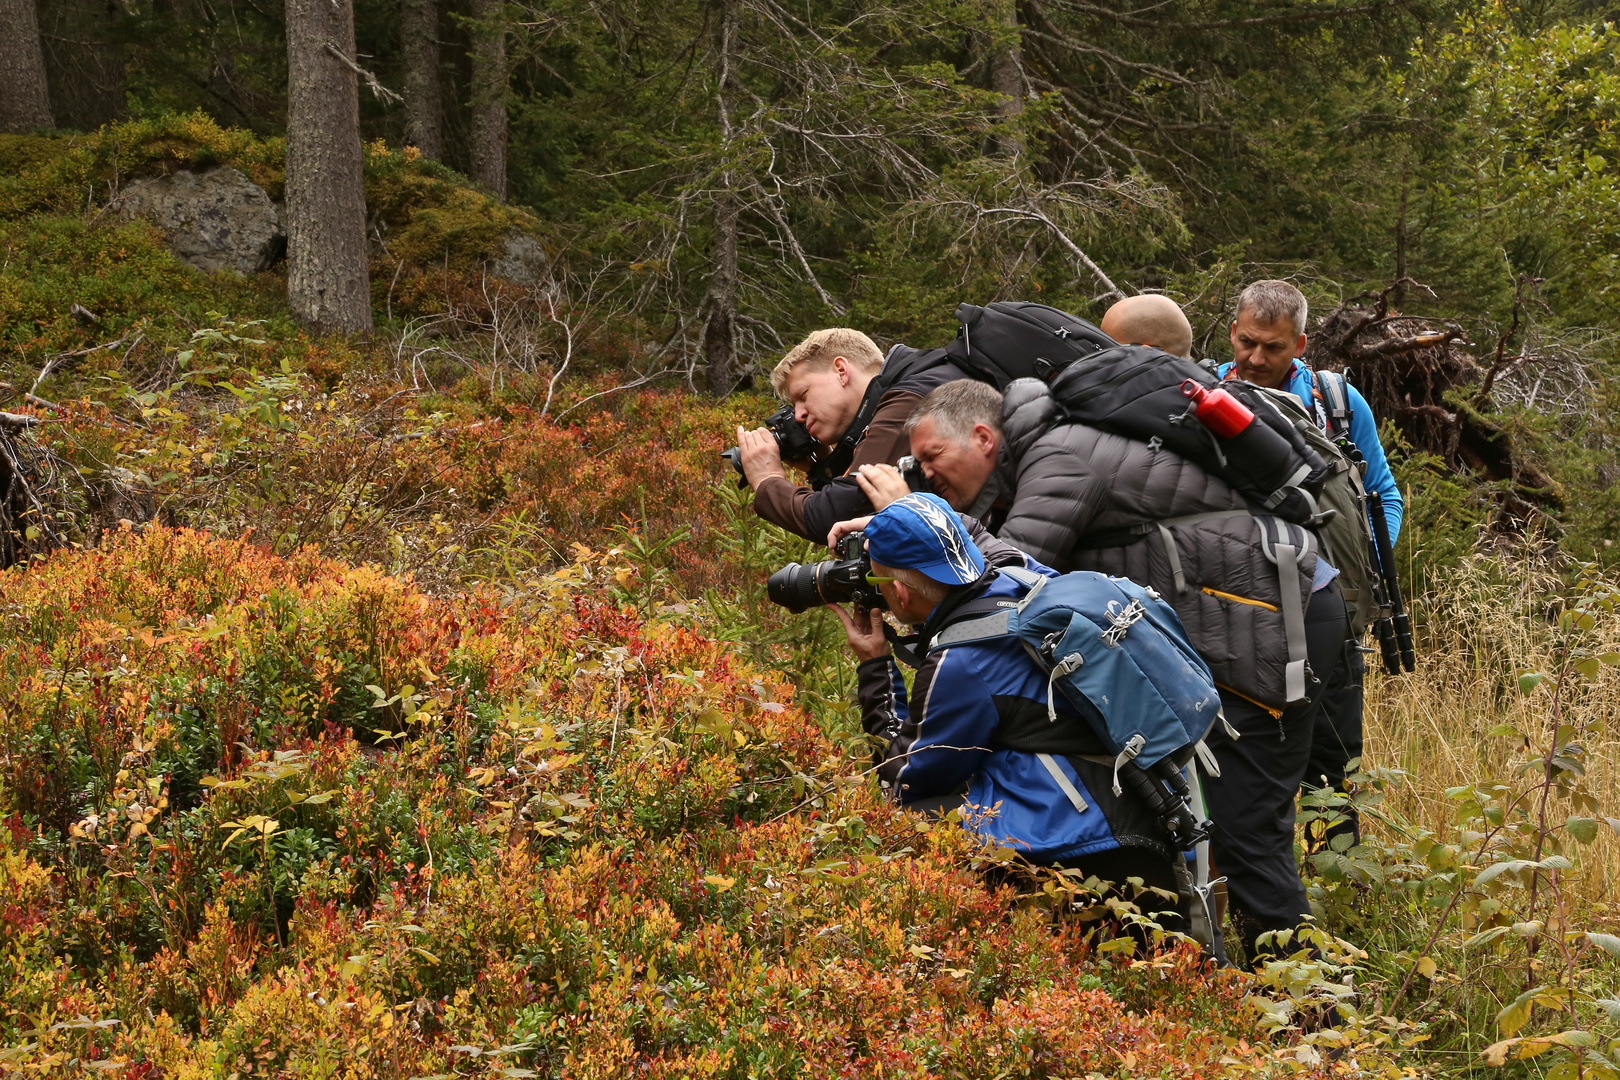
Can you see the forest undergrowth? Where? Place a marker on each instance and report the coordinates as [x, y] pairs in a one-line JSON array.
[[539, 783], [402, 709]]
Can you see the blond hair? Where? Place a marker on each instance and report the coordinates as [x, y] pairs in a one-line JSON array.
[[820, 349]]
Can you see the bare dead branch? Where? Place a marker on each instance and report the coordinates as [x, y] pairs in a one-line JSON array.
[[15, 422], [382, 92], [1394, 345], [1126, 18]]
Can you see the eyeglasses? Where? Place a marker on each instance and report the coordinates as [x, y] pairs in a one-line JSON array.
[[878, 579]]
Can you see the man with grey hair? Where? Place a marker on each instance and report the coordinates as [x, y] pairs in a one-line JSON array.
[[1268, 339], [957, 441], [1075, 497]]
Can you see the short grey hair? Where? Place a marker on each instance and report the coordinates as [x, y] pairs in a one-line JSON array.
[[919, 583], [956, 407], [1272, 300]]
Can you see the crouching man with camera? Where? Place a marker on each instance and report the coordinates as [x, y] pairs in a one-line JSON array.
[[846, 407], [982, 729]]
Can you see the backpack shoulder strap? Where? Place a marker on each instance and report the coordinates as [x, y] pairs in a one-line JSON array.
[[973, 626], [987, 617], [903, 360], [1333, 392]]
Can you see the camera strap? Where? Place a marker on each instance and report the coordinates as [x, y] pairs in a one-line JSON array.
[[903, 646]]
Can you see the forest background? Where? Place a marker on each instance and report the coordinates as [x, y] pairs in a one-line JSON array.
[[405, 703]]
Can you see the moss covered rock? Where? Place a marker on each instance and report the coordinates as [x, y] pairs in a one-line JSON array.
[[425, 216]]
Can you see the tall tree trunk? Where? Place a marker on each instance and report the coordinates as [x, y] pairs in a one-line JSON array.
[[720, 327], [25, 100], [419, 39], [1007, 74], [328, 285], [489, 95]]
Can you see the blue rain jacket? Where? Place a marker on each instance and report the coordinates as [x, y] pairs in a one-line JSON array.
[[951, 734]]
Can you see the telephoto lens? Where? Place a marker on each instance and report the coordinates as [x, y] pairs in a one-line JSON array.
[[794, 587], [798, 587]]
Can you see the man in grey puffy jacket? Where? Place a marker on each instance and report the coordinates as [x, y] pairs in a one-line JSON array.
[[1256, 602]]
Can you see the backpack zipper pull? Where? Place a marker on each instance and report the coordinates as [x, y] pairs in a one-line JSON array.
[[1126, 756], [1068, 666]]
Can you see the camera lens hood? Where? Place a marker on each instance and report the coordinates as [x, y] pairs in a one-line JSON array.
[[796, 587]]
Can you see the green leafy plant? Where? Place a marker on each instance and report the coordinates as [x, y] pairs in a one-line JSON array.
[[268, 778]]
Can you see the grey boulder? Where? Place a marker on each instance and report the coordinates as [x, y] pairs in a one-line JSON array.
[[214, 220], [522, 260]]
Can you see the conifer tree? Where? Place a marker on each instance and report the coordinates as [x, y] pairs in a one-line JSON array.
[[419, 61], [328, 284], [25, 103], [487, 149]]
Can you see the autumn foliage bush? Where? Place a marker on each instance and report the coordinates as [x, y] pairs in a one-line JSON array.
[[282, 816]]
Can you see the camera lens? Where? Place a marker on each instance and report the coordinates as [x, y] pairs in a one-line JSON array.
[[794, 587]]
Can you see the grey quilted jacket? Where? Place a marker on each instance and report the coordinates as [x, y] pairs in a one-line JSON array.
[[1084, 499]]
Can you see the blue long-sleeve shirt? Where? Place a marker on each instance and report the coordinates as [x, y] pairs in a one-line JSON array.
[[1363, 432]]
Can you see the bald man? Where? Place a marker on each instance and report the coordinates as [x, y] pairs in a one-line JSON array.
[[1150, 319]]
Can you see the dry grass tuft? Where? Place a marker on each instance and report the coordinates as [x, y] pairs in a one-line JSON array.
[[1484, 623]]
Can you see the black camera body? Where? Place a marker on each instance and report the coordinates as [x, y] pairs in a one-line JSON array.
[[837, 581], [911, 471], [795, 443]]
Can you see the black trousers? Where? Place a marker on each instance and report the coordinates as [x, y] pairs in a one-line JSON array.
[[1336, 741], [1252, 801]]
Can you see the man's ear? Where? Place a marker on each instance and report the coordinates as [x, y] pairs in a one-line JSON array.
[[1299, 347], [842, 366], [983, 437]]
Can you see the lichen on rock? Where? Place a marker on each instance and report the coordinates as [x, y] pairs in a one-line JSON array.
[[215, 220]]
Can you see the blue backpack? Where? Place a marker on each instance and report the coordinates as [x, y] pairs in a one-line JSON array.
[[1118, 653]]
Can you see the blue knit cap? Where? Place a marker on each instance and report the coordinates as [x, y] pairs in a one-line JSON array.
[[921, 532]]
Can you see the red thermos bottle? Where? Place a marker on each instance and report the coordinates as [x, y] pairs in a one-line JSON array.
[[1217, 410]]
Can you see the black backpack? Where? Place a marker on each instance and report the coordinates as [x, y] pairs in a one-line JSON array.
[[1015, 339], [1135, 391], [997, 343]]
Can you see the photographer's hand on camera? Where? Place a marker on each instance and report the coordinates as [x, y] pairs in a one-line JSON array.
[[864, 629], [882, 484], [761, 455], [844, 528]]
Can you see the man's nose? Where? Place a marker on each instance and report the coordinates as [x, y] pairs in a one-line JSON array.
[[800, 413]]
